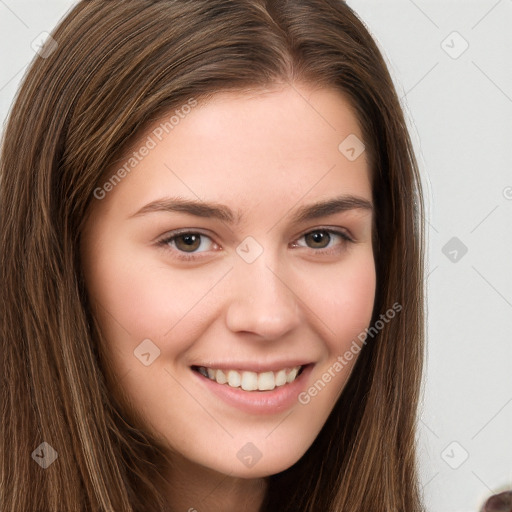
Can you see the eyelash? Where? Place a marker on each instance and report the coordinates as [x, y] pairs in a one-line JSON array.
[[193, 256]]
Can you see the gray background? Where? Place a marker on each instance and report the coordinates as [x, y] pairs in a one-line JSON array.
[[458, 102]]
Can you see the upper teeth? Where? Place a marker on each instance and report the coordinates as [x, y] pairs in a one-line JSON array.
[[251, 381]]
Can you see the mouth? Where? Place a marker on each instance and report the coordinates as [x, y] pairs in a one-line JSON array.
[[269, 390], [249, 380]]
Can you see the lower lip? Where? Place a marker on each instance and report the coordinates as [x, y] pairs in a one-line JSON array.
[[259, 402]]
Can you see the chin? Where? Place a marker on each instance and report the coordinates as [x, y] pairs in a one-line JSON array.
[[266, 465]]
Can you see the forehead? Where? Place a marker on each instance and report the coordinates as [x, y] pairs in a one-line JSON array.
[[247, 148]]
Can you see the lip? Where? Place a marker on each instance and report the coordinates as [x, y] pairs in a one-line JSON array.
[[259, 402]]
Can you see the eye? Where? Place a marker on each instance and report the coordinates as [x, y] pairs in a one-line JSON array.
[[186, 242], [321, 239]]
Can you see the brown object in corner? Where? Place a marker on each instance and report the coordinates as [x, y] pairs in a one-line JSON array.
[[499, 503]]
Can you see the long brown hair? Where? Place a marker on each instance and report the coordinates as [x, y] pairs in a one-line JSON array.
[[119, 66]]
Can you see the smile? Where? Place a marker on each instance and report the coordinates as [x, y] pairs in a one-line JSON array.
[[251, 381]]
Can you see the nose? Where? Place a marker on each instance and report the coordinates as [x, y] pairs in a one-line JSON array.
[[263, 300]]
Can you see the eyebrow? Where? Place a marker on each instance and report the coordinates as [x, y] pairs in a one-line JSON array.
[[219, 211]]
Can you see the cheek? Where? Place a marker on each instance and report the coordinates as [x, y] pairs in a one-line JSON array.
[[345, 300], [140, 298], [351, 315], [346, 308], [144, 298]]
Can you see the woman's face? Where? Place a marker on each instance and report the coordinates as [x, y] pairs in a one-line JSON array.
[[205, 255]]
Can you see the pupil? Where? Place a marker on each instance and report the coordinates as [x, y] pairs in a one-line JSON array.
[[319, 236]]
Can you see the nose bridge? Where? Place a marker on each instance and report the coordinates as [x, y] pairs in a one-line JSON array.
[[263, 302]]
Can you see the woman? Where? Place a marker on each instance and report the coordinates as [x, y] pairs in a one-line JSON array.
[[269, 372]]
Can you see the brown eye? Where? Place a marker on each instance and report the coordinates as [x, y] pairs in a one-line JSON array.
[[188, 242], [324, 241], [318, 239]]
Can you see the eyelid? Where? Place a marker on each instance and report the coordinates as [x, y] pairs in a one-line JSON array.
[[182, 231], [329, 229]]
